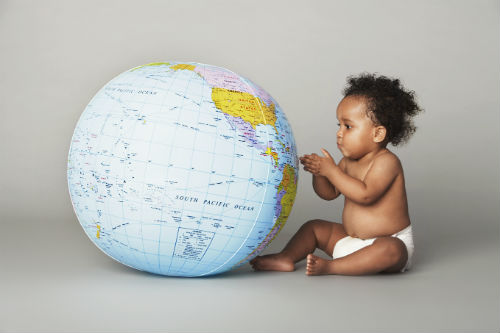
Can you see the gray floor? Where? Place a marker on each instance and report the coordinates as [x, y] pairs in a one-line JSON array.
[[57, 280]]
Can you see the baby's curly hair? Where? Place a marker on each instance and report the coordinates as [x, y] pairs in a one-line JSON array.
[[388, 104]]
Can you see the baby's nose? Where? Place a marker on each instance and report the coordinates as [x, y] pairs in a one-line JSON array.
[[339, 134]]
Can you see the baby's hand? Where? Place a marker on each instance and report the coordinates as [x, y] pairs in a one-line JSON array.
[[318, 165]]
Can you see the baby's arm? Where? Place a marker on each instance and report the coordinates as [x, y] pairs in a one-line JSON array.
[[321, 185], [380, 176], [323, 188]]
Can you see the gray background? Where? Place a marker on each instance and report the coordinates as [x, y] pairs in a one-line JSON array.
[[55, 55]]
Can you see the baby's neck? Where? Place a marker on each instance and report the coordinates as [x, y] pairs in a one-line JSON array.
[[368, 157]]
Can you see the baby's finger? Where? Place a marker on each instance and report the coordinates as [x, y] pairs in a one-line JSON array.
[[325, 152], [314, 163], [310, 169], [306, 157], [306, 161], [307, 166], [310, 166]]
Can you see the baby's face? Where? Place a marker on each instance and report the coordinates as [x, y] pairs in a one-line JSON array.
[[356, 130]]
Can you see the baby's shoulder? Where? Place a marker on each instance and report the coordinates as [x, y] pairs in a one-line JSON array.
[[387, 159]]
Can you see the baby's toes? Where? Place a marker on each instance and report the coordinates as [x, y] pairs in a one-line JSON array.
[[311, 258]]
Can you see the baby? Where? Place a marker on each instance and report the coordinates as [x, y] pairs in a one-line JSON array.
[[375, 235]]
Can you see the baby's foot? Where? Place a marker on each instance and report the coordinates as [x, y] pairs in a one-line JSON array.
[[317, 266], [272, 262]]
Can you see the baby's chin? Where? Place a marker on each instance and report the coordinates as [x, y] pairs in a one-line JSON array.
[[345, 153], [351, 155]]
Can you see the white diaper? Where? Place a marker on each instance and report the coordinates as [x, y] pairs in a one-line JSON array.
[[348, 245]]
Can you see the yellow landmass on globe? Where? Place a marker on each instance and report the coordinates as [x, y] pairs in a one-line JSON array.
[[273, 154], [151, 64], [290, 186], [183, 66], [244, 105]]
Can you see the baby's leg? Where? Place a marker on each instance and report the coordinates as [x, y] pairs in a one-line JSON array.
[[386, 254], [311, 235]]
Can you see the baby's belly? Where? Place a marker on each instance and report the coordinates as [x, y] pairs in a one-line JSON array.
[[369, 222]]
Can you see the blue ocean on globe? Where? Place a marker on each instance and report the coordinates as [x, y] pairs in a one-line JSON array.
[[182, 169]]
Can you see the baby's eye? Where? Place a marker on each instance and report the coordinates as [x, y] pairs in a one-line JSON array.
[[348, 126], [338, 124]]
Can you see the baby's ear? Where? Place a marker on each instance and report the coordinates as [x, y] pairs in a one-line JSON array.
[[379, 134]]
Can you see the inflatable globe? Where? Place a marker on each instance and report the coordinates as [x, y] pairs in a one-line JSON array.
[[182, 169]]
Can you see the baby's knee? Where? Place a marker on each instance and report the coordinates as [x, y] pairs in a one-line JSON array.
[[393, 248], [311, 224]]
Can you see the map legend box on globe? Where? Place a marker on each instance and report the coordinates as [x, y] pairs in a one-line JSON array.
[[192, 243]]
